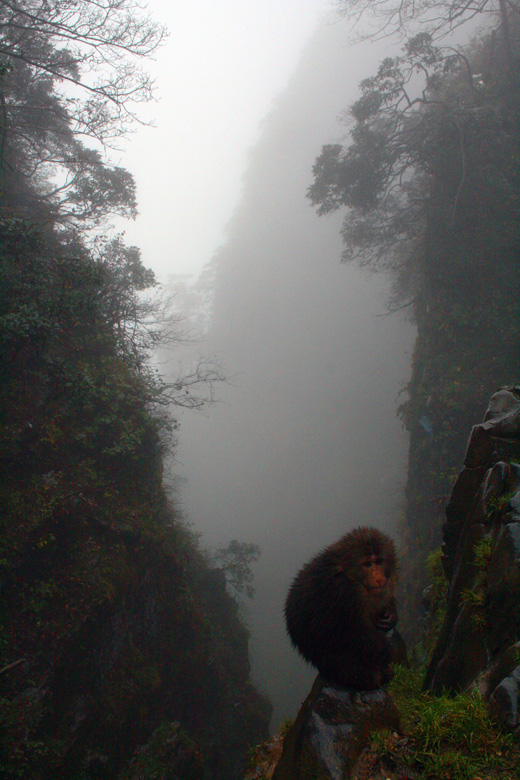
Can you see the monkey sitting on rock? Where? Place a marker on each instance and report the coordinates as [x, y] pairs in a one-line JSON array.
[[341, 610]]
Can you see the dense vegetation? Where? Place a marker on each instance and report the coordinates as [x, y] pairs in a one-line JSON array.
[[430, 181], [113, 624]]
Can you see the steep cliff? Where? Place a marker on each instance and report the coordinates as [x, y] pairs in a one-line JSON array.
[[479, 642], [119, 640], [428, 180]]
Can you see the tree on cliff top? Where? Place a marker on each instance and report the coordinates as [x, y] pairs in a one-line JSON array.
[[432, 135], [91, 47], [70, 83], [440, 17], [429, 183]]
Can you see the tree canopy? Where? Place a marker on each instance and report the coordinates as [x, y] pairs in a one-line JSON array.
[[429, 135], [93, 47], [235, 561], [440, 17], [429, 183], [70, 82]]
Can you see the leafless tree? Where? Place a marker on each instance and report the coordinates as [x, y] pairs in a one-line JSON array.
[[439, 17], [93, 48]]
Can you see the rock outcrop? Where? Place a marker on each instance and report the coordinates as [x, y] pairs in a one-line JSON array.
[[479, 643], [331, 730]]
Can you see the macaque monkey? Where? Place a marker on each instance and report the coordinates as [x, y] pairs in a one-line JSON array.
[[341, 610]]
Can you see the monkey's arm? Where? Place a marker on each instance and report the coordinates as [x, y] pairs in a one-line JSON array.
[[387, 618]]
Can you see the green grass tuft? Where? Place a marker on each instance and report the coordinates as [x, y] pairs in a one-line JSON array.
[[445, 738]]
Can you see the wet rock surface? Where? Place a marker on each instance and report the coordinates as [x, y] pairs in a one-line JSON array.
[[478, 643], [331, 730], [504, 701]]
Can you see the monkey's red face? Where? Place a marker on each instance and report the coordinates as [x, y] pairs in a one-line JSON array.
[[372, 572]]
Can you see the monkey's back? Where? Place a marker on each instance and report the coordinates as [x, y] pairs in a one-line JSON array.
[[321, 609], [327, 621]]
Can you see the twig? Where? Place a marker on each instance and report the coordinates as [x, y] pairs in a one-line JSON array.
[[11, 666]]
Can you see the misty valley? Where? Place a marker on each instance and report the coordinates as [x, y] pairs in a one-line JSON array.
[[264, 521]]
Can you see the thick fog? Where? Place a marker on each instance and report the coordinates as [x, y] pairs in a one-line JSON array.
[[305, 443]]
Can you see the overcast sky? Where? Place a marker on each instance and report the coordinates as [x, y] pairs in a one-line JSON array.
[[222, 66]]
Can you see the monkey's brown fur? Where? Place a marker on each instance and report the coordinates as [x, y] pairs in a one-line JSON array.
[[339, 619]]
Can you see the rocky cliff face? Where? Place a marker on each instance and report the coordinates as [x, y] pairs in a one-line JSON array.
[[136, 660], [479, 643], [118, 640]]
